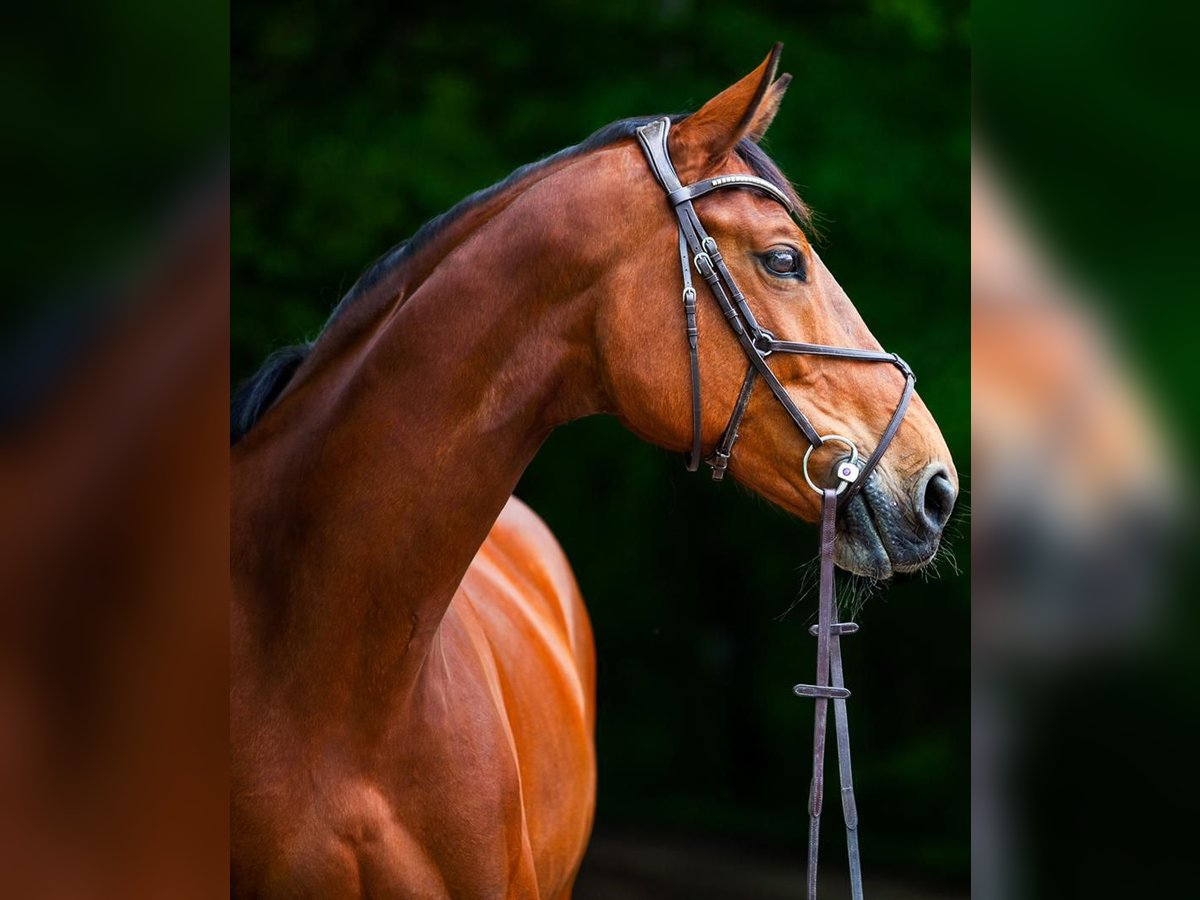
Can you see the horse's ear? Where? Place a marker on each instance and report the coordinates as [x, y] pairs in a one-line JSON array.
[[744, 109]]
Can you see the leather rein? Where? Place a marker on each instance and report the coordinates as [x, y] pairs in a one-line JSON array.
[[697, 248]]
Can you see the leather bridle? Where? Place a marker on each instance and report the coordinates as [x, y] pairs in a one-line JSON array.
[[697, 248]]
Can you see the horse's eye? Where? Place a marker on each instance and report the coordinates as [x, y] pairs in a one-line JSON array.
[[783, 261]]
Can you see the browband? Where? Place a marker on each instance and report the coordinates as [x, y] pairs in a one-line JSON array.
[[700, 188]]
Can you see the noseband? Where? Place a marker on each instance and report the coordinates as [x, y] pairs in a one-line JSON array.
[[697, 248]]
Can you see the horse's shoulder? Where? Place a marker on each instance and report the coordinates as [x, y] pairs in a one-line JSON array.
[[518, 527], [524, 546], [525, 569]]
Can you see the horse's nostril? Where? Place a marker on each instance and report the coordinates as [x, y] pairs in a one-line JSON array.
[[937, 500]]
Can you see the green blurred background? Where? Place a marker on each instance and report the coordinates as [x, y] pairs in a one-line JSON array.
[[1087, 109], [352, 125]]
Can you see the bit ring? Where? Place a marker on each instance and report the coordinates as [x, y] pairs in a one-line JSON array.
[[843, 482]]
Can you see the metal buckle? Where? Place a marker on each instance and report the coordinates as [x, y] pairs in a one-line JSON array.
[[847, 470], [704, 264], [718, 462]]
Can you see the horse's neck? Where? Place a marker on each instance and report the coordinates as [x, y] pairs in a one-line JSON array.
[[362, 498]]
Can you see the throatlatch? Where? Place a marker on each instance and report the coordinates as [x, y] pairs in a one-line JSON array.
[[697, 248]]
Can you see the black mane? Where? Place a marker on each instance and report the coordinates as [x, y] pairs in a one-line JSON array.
[[256, 395]]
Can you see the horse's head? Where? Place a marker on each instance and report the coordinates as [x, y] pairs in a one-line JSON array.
[[895, 521]]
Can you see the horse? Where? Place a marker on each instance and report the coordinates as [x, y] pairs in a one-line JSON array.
[[412, 670]]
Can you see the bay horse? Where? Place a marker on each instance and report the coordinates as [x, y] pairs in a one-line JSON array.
[[412, 669]]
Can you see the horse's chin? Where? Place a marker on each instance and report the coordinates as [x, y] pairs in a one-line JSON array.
[[860, 548], [871, 543]]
